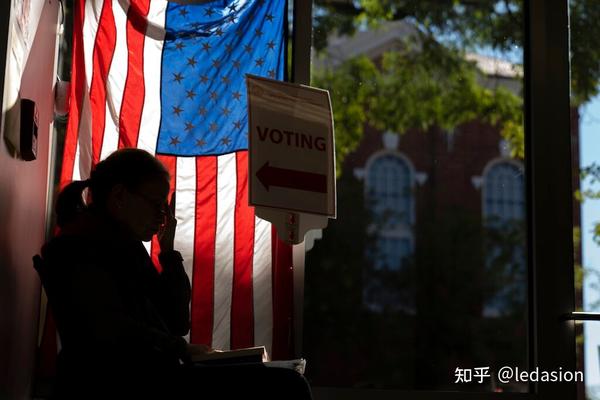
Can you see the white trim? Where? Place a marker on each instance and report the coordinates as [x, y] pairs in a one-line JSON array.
[[477, 181], [500, 160], [381, 153], [390, 140], [504, 148], [421, 178], [359, 173]]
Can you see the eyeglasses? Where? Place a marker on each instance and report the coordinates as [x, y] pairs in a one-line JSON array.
[[156, 205]]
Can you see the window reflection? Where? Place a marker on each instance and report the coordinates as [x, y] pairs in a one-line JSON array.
[[424, 269]]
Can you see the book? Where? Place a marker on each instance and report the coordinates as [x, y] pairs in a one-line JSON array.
[[298, 365], [249, 355]]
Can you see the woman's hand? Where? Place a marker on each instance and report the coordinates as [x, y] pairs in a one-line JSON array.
[[166, 234], [198, 351]]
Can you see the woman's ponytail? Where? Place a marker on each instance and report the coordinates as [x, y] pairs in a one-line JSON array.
[[69, 203]]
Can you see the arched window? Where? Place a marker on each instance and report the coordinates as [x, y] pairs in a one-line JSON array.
[[504, 214], [504, 193], [389, 191], [389, 196]]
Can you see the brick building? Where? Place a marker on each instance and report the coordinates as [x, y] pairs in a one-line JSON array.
[[443, 245]]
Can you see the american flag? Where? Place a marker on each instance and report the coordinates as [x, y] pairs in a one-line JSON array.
[[170, 79]]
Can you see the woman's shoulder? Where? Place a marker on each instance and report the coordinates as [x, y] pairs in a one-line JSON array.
[[72, 248], [105, 251], [64, 242]]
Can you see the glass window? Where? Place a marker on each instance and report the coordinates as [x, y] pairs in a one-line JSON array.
[[504, 193], [403, 287]]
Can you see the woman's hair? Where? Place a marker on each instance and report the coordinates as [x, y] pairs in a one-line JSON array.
[[129, 167]]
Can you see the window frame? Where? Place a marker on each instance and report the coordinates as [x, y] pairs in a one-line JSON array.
[[551, 292]]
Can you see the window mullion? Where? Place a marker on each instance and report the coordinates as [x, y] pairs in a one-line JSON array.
[[548, 155]]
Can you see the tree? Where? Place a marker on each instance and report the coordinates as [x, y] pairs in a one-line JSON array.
[[471, 24], [422, 87]]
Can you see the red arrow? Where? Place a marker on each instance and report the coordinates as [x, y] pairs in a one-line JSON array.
[[289, 178]]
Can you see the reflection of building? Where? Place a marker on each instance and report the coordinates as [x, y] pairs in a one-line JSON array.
[[406, 173], [443, 280]]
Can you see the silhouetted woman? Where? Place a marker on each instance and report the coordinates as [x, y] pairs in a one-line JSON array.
[[120, 321]]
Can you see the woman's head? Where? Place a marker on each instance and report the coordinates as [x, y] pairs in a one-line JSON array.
[[131, 187]]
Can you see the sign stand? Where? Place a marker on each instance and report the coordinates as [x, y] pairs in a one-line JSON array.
[[291, 168], [291, 225]]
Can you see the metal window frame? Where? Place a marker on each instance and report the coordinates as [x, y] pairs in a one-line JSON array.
[[549, 192], [551, 339]]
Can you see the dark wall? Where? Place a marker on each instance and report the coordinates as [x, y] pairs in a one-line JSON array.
[[23, 199]]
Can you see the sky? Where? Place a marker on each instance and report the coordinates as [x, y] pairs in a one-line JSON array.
[[589, 152]]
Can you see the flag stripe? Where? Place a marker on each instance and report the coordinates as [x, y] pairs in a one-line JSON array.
[[83, 155], [153, 46], [185, 210], [134, 92], [261, 284], [242, 308], [103, 52], [76, 94], [204, 252], [84, 142], [93, 11], [116, 80], [226, 191]]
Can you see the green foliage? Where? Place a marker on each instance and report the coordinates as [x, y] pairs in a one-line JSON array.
[[472, 24], [415, 89], [585, 49], [591, 175], [579, 270], [351, 87]]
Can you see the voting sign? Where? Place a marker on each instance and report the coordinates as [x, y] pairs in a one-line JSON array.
[[292, 162]]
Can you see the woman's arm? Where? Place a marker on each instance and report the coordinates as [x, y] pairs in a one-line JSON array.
[[174, 293], [97, 310]]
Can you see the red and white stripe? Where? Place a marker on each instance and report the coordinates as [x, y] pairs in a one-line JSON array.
[[240, 272]]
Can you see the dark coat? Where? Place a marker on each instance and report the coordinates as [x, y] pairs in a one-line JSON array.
[[120, 321]]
